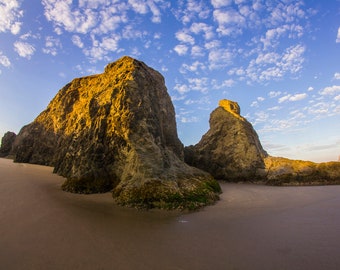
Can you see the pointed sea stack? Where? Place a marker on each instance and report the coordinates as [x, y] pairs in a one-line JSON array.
[[117, 131], [231, 149]]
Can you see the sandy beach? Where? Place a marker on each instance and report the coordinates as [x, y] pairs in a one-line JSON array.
[[251, 227]]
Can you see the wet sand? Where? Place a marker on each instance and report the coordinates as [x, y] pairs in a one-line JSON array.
[[251, 227]]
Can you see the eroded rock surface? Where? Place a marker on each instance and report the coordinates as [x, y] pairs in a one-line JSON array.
[[7, 143], [284, 171], [117, 131], [231, 149]]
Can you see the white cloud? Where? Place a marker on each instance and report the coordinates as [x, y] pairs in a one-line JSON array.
[[156, 13], [224, 84], [201, 101], [219, 58], [290, 97], [274, 66], [320, 108], [267, 58], [208, 31], [24, 49], [143, 7], [189, 10], [139, 6], [229, 21], [337, 76], [130, 33], [192, 119], [273, 35], [181, 88], [199, 84], [181, 49], [214, 44], [330, 90], [4, 61], [220, 3], [63, 15], [197, 51], [310, 88], [338, 36], [275, 108], [185, 37], [100, 49], [298, 97], [76, 40], [284, 98], [10, 15], [52, 45], [292, 59], [193, 68], [273, 94], [254, 104]]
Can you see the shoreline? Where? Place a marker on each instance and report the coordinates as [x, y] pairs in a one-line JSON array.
[[251, 227]]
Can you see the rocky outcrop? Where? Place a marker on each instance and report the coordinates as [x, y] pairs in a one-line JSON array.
[[7, 143], [35, 144], [231, 149], [117, 131], [282, 171]]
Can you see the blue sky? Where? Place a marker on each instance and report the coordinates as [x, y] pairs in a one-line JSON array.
[[280, 60]]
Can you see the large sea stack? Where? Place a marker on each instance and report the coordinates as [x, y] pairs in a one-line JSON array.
[[117, 131], [231, 149]]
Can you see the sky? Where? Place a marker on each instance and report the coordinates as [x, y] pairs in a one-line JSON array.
[[280, 60]]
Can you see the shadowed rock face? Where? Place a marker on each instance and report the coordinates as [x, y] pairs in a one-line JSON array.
[[117, 131], [7, 143], [231, 149]]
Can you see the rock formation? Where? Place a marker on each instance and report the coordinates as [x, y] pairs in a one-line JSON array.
[[284, 171], [231, 149], [7, 143], [117, 131]]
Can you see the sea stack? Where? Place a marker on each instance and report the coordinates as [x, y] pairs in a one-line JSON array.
[[117, 131], [231, 149]]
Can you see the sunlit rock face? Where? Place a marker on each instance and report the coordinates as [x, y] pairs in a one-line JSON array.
[[231, 149], [7, 143], [284, 171], [117, 131]]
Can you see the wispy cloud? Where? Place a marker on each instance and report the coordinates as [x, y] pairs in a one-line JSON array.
[[181, 49], [290, 97], [52, 45], [338, 36], [184, 37], [330, 90], [24, 49], [4, 61], [76, 40]]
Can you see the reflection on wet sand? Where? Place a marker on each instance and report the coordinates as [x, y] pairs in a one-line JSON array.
[[251, 227]]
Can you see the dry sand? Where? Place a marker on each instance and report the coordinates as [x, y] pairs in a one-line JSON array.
[[252, 227]]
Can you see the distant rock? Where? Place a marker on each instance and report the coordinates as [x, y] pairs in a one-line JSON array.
[[283, 171], [117, 131], [35, 144], [7, 143], [231, 149]]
